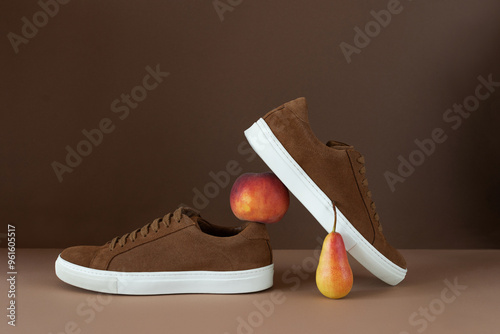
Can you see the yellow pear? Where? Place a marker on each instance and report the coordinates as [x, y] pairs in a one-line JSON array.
[[334, 275]]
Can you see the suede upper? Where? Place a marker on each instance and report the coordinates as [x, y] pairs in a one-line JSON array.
[[180, 242], [337, 168]]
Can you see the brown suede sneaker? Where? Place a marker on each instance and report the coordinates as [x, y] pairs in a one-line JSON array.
[[179, 253], [319, 175]]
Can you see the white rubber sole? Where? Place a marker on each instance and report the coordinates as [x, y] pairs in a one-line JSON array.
[[272, 152], [159, 283]]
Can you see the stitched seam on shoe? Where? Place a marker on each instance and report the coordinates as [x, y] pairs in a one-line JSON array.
[[270, 251], [147, 242], [93, 258], [224, 255], [295, 114], [273, 112], [362, 197], [256, 238]]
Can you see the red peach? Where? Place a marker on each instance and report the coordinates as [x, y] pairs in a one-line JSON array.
[[259, 197]]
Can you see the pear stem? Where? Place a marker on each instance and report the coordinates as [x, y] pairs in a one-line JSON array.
[[335, 221]]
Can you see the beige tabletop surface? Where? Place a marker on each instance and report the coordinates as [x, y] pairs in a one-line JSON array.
[[445, 291]]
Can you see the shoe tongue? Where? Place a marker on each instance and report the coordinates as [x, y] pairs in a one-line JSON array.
[[196, 220], [186, 213], [338, 145]]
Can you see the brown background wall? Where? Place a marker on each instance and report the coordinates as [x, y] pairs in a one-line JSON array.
[[224, 75]]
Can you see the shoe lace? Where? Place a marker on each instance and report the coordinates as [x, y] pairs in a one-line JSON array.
[[364, 182], [153, 226]]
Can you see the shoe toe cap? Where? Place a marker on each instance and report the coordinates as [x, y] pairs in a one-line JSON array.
[[79, 255]]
